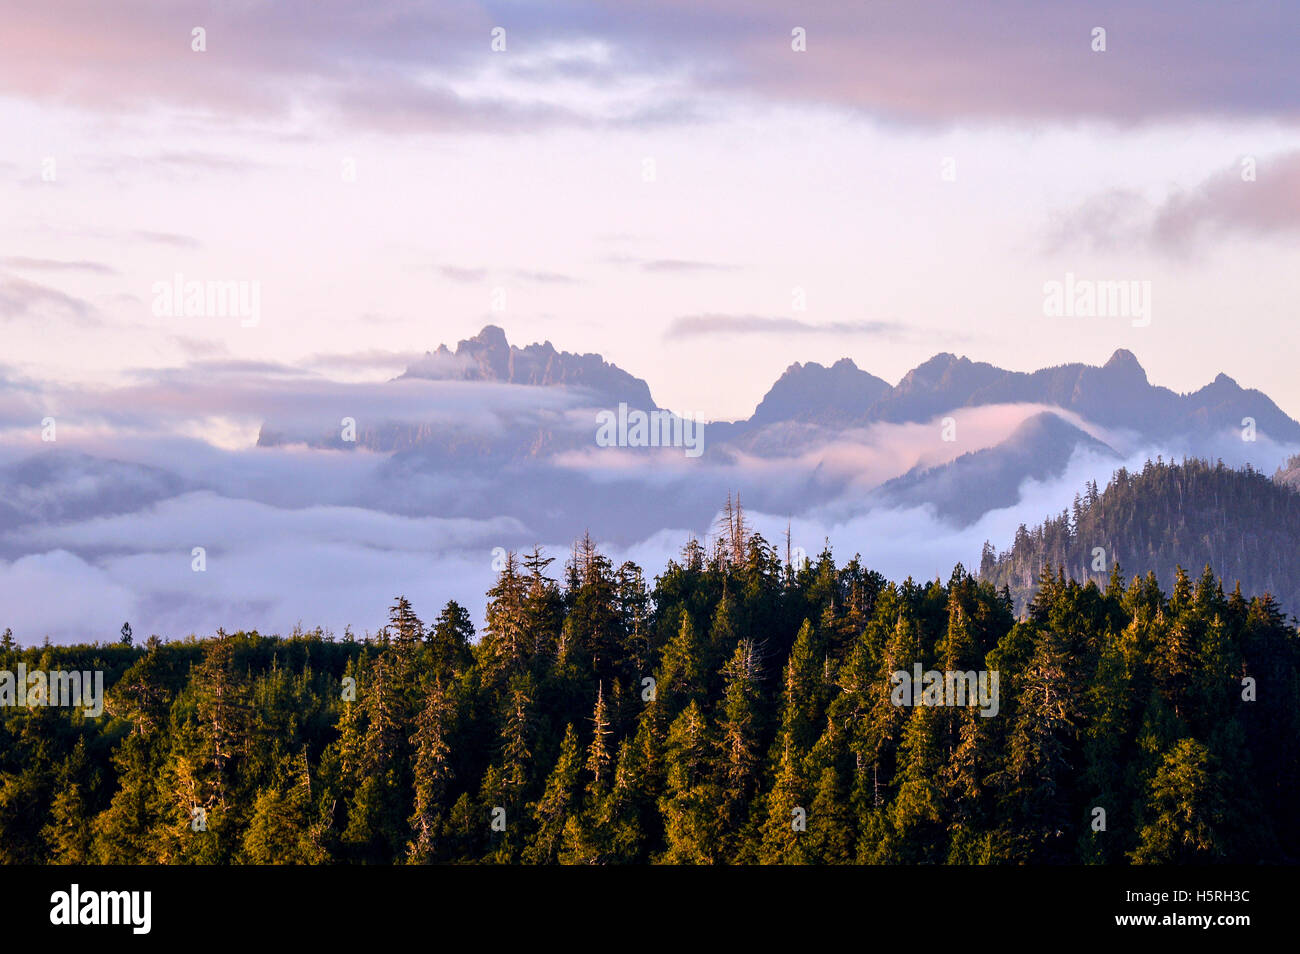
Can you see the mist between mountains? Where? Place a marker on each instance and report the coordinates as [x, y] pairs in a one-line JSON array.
[[638, 428]]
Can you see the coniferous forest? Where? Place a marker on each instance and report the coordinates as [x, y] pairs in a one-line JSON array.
[[1239, 522], [735, 709]]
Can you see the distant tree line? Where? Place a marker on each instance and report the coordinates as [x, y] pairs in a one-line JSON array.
[[1240, 523]]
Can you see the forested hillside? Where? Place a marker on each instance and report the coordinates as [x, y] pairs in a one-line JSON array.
[[1289, 473], [1241, 524], [544, 739]]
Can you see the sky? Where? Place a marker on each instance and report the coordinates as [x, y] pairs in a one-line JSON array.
[[672, 185], [703, 192]]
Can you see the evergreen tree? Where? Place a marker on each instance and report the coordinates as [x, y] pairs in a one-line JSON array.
[[432, 744], [283, 828], [681, 674], [1187, 809], [739, 732], [689, 806], [559, 800], [450, 640], [69, 835]]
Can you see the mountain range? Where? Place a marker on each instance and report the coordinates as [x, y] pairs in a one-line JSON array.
[[1116, 395], [802, 433]]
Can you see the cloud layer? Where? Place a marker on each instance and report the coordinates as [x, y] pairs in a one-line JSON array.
[[129, 516], [582, 63]]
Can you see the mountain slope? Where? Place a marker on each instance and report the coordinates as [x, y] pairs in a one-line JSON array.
[[1243, 525], [1289, 473], [989, 479]]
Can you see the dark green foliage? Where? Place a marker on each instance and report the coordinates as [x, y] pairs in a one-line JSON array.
[[737, 711]]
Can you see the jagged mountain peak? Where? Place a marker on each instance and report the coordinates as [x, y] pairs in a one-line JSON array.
[[1126, 362], [814, 392], [491, 334], [489, 356], [843, 368], [1123, 357], [934, 368]]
